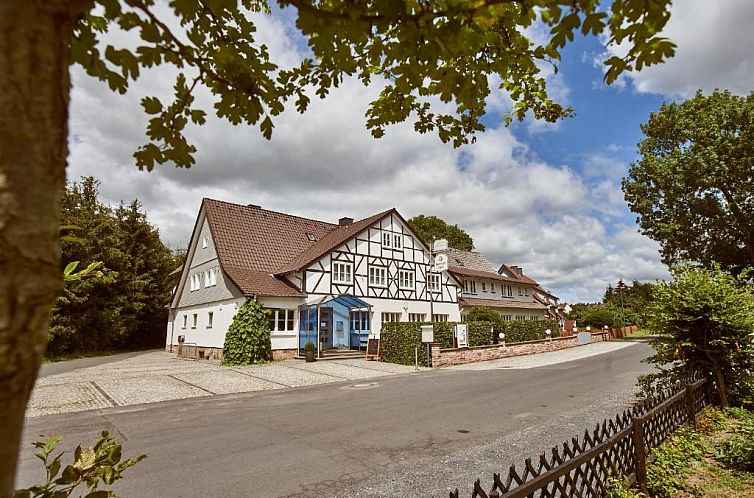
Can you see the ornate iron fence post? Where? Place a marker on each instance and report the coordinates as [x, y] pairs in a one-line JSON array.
[[641, 453]]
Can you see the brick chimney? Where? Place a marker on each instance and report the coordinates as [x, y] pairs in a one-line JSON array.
[[345, 221]]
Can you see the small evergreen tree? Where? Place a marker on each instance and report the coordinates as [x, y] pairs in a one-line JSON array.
[[703, 319], [248, 338]]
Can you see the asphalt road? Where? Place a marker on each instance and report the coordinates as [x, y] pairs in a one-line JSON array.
[[403, 434]]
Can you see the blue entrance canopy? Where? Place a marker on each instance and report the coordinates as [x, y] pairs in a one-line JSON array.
[[350, 302]]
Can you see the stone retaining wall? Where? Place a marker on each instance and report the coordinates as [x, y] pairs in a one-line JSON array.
[[458, 356]]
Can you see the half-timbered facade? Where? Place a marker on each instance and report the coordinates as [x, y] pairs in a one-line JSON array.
[[332, 284]]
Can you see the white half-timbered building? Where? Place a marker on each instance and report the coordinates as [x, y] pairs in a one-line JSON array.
[[334, 285]]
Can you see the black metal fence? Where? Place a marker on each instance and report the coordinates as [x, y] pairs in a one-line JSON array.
[[619, 447]]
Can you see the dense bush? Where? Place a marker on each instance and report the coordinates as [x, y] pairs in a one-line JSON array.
[[398, 341], [528, 330], [702, 320], [248, 338], [481, 333], [443, 332]]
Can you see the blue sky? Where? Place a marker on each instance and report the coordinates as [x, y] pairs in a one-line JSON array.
[[545, 197]]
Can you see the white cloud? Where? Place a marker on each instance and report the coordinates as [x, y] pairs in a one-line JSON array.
[[324, 164], [714, 50]]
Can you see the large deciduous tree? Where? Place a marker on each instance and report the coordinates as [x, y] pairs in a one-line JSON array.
[[424, 52], [693, 187], [431, 228]]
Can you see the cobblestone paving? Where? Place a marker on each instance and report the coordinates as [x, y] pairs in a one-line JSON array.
[[158, 376]]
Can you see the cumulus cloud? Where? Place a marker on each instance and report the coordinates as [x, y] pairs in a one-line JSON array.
[[714, 50], [325, 164]]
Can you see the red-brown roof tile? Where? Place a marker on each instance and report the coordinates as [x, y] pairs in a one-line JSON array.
[[252, 243], [329, 242], [498, 303], [259, 283], [469, 272]]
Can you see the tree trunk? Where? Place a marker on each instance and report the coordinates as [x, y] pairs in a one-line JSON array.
[[717, 373], [34, 92]]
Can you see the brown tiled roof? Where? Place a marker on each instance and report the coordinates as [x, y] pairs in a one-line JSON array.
[[520, 276], [498, 303], [261, 284], [461, 270], [468, 259], [329, 242], [252, 243]]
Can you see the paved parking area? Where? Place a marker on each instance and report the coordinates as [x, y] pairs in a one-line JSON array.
[[159, 376]]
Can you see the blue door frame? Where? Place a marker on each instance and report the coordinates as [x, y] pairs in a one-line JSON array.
[[350, 323]]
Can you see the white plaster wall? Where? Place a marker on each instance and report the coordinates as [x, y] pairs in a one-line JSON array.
[[214, 337], [284, 340]]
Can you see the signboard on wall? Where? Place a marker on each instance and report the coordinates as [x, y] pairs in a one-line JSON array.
[[428, 333], [441, 263], [462, 335], [440, 245]]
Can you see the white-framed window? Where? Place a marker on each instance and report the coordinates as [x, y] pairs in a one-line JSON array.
[[204, 242], [194, 320], [510, 291], [472, 287], [507, 318], [484, 287], [434, 282], [210, 319], [520, 317], [386, 317], [213, 276], [206, 278], [417, 317], [492, 287], [377, 276], [440, 317], [526, 291], [342, 273], [520, 291], [185, 321], [196, 282], [397, 241], [281, 320], [387, 239], [406, 279]]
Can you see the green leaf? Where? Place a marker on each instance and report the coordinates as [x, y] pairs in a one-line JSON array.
[[151, 105]]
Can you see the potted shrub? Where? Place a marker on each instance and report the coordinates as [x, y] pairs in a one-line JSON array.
[[310, 350]]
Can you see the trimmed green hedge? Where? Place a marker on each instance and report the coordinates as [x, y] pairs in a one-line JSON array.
[[481, 333], [398, 341], [528, 330]]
